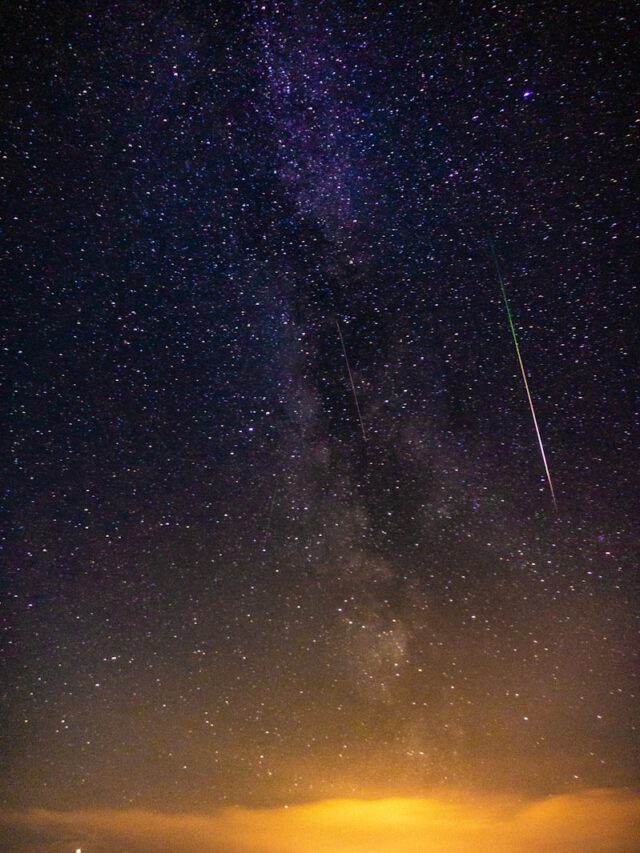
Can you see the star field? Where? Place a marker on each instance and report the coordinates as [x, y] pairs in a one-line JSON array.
[[231, 576]]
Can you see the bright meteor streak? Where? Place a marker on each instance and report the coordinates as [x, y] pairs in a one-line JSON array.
[[524, 375]]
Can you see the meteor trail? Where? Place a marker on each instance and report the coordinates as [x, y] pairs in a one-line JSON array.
[[353, 387], [524, 375], [267, 530]]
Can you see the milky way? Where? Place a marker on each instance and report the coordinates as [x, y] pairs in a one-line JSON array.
[[278, 528]]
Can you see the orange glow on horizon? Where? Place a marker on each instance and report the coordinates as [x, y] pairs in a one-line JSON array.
[[598, 821]]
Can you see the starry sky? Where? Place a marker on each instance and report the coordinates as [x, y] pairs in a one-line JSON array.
[[279, 529]]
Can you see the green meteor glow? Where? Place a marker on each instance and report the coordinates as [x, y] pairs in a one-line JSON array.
[[524, 375]]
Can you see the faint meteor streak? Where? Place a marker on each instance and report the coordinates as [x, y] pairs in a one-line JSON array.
[[353, 387], [524, 375], [267, 530]]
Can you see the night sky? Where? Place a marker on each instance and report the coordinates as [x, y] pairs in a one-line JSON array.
[[278, 528]]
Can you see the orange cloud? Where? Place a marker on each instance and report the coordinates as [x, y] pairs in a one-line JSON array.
[[599, 821]]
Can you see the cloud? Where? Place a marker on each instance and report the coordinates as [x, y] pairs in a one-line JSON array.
[[596, 821]]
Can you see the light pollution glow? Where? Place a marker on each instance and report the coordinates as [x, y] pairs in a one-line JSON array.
[[594, 821]]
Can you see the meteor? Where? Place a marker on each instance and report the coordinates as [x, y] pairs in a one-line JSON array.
[[353, 387], [523, 372], [267, 529]]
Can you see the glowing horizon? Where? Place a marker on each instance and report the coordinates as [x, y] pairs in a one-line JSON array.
[[591, 821]]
